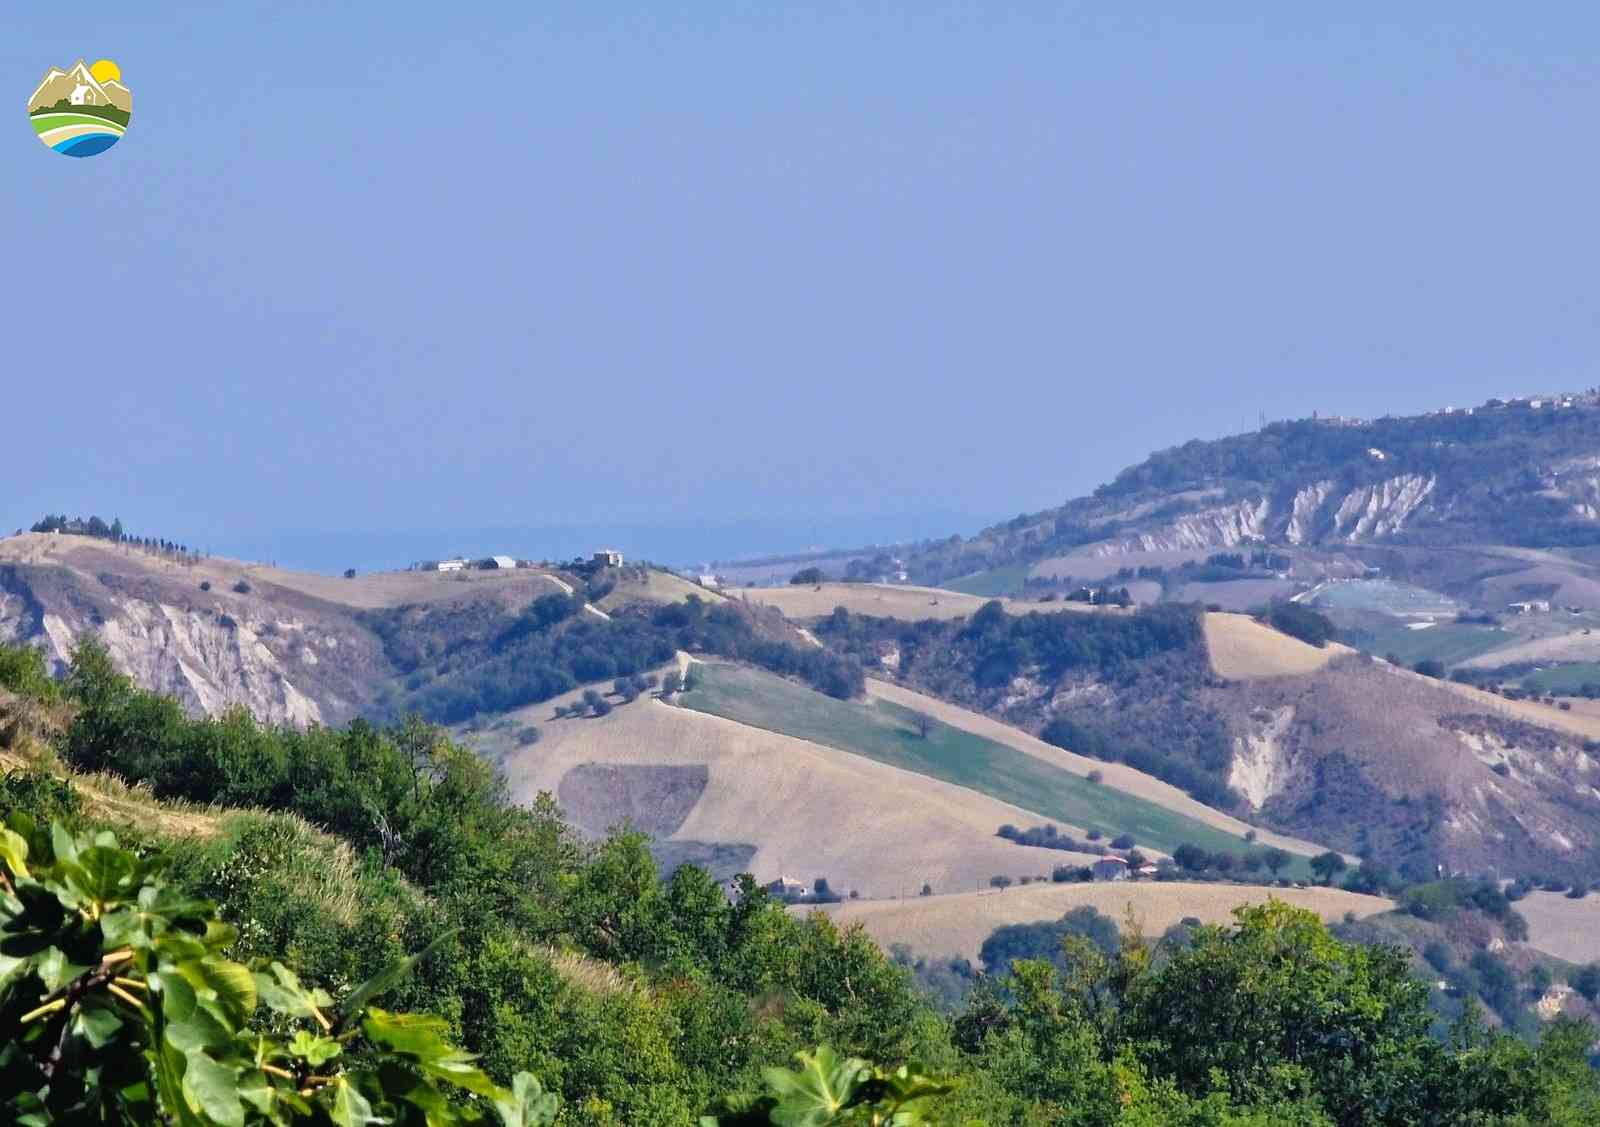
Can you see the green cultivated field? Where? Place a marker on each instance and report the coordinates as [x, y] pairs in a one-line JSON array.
[[994, 582], [883, 731], [1563, 678], [1447, 642]]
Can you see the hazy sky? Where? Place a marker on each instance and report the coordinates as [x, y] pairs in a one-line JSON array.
[[801, 271]]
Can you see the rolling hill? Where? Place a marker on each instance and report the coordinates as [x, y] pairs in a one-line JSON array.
[[1520, 473], [956, 925], [733, 797], [961, 748], [888, 600], [292, 647]]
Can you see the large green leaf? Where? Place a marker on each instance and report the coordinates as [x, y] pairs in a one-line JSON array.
[[200, 1030], [911, 1094], [420, 1038], [526, 1104], [386, 979], [283, 992], [815, 1093], [14, 852], [349, 1107], [104, 874], [177, 996], [213, 1088], [315, 1051], [96, 1022], [232, 984], [168, 1076]]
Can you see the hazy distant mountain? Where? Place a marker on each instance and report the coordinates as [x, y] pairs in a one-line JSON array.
[[1522, 472]]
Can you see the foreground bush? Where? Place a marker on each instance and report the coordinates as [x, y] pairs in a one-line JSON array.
[[117, 1005]]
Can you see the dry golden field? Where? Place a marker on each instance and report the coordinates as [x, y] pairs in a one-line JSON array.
[[1582, 722], [891, 601], [657, 587], [1116, 776], [365, 592], [957, 925], [1567, 929], [808, 810], [1243, 649]]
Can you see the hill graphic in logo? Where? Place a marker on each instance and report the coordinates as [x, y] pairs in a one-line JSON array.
[[81, 111]]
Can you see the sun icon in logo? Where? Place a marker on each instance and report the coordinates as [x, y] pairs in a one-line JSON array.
[[83, 110]]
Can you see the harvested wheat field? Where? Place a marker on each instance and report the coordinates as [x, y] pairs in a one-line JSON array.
[[401, 588], [1567, 929], [803, 810], [889, 600], [1243, 649], [1114, 776], [364, 592], [1578, 722], [1572, 646], [656, 587], [957, 925]]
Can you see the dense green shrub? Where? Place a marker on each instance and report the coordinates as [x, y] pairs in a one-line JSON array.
[[462, 661], [1299, 621]]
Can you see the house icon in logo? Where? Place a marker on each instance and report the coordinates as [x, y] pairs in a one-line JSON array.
[[82, 110]]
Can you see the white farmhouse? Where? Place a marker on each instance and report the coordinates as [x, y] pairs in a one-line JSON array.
[[1110, 868]]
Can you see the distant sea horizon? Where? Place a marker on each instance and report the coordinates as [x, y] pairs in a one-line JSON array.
[[678, 546]]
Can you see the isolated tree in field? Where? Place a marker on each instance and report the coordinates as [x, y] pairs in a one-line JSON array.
[[1275, 859], [807, 576], [999, 882], [349, 573], [1191, 857], [1327, 866], [671, 683], [923, 723]]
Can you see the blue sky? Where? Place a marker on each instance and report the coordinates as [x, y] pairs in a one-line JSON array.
[[365, 274]]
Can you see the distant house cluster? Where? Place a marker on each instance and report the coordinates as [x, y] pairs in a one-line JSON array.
[[461, 563], [1110, 867], [1531, 606], [787, 888]]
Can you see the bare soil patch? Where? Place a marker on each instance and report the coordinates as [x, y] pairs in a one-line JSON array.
[[655, 798]]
